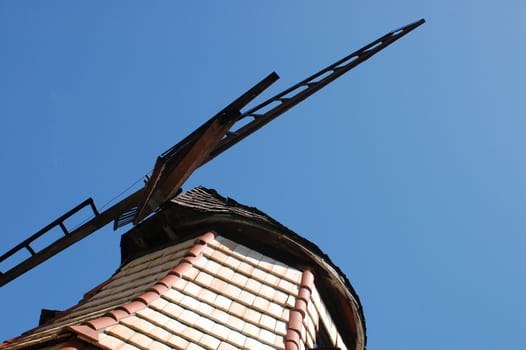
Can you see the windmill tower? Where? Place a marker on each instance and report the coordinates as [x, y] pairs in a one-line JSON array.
[[201, 271]]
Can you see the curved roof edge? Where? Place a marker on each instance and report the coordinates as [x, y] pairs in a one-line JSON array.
[[199, 209]]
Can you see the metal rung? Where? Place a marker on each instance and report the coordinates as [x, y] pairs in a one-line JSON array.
[[87, 228], [26, 244], [291, 96], [125, 218], [30, 250]]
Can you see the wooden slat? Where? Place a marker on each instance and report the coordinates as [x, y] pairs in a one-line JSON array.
[[74, 236]]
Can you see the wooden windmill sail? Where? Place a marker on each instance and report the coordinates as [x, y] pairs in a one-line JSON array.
[[198, 270], [174, 166]]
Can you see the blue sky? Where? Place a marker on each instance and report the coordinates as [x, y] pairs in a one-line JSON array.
[[409, 171]]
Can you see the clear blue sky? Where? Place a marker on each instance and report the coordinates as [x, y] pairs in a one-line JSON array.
[[410, 172]]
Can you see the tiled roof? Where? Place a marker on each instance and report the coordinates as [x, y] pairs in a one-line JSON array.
[[209, 292]]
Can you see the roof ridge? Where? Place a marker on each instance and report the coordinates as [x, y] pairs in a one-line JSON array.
[[90, 328]]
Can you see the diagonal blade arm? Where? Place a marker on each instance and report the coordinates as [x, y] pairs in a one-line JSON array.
[[211, 139], [282, 102], [214, 137], [174, 166]]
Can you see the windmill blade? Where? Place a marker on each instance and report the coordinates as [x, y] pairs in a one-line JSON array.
[[267, 111], [214, 137], [179, 162], [175, 165], [70, 237]]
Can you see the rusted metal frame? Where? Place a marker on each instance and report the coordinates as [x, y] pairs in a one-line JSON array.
[[175, 165], [125, 218], [172, 155], [102, 219], [26, 244], [175, 173], [299, 92], [99, 221], [237, 105], [204, 144], [158, 191]]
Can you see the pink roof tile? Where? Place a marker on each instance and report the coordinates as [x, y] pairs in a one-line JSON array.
[[204, 293], [204, 311]]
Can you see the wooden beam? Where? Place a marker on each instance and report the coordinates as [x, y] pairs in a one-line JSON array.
[[74, 236]]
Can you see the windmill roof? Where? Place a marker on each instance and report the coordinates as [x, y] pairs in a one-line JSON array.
[[204, 272]]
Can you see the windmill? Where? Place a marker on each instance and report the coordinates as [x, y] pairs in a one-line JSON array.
[[173, 167]]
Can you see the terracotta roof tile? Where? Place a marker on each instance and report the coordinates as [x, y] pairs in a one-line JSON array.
[[236, 322], [111, 342], [237, 339], [85, 332], [267, 322], [226, 346], [219, 316], [190, 302], [181, 283], [218, 284], [175, 326], [253, 286], [220, 331], [133, 306], [267, 291], [309, 327], [246, 268], [237, 309], [177, 342], [261, 304], [251, 330], [158, 304], [154, 331], [121, 331], [138, 324], [189, 318], [277, 311], [279, 297], [225, 272], [266, 263], [240, 280], [192, 334], [281, 328], [288, 286], [247, 297], [218, 255], [109, 295], [268, 347], [207, 293], [233, 291], [222, 302], [169, 279], [271, 279], [252, 315], [141, 341], [209, 342], [194, 346], [158, 346], [171, 310], [209, 304], [279, 269], [209, 201], [204, 278], [267, 336], [252, 344], [101, 322]]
